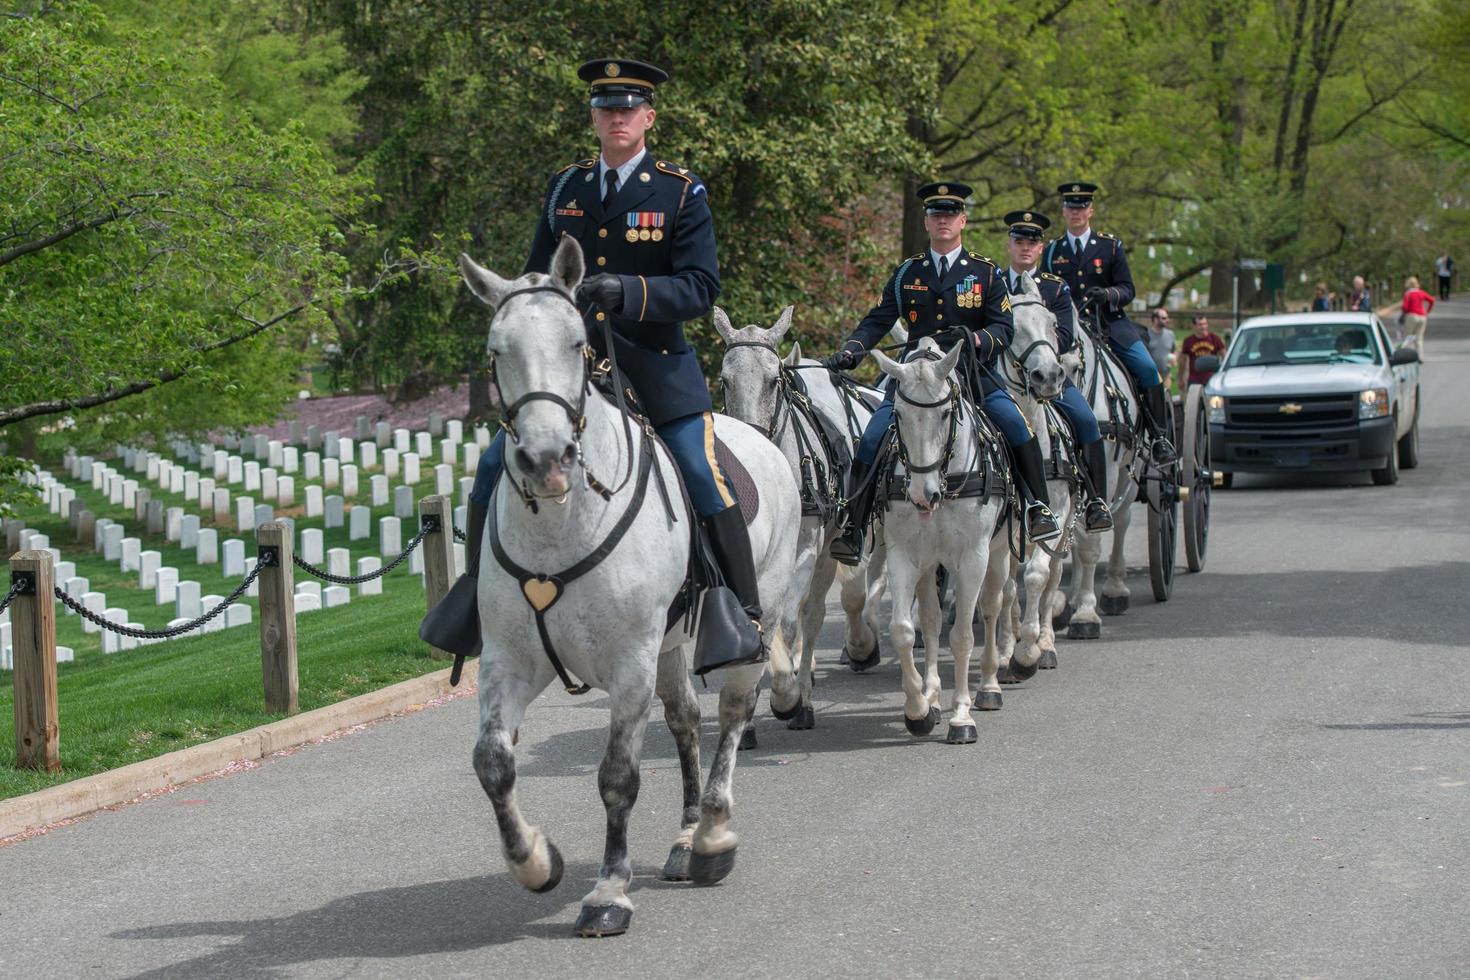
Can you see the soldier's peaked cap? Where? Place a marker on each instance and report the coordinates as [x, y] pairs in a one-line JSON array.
[[619, 83], [1077, 193], [1027, 224], [944, 196]]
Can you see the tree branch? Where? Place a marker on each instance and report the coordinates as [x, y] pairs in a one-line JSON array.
[[1193, 270], [20, 251], [1373, 103], [20, 413]]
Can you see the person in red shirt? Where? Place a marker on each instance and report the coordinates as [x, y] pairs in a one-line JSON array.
[[1415, 307], [1200, 342]]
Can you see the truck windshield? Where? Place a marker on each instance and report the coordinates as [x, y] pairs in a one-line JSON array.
[[1304, 343]]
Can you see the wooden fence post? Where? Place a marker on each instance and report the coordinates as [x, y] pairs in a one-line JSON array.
[[277, 617], [33, 641], [438, 555]]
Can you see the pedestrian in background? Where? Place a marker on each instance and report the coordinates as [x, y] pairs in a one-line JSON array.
[[1321, 303], [1201, 341], [1414, 313], [1444, 266], [1361, 301], [1161, 341]]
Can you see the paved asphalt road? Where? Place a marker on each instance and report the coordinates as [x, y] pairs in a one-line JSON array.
[[1267, 776]]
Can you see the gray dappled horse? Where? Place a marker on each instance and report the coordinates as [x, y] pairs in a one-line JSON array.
[[1033, 371], [930, 528], [753, 375], [608, 626], [1097, 373]]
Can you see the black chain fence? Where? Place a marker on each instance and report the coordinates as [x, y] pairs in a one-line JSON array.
[[311, 569], [16, 589]]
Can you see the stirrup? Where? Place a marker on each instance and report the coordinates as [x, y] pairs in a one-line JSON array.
[[1163, 452], [1041, 524], [844, 552], [1098, 517]]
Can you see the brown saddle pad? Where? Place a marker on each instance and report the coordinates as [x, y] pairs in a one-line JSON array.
[[740, 482]]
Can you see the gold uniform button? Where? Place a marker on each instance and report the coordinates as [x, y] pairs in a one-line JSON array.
[[601, 316], [602, 260], [941, 302], [939, 316], [663, 350], [602, 233]]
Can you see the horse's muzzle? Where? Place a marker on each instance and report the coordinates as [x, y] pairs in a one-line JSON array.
[[548, 471]]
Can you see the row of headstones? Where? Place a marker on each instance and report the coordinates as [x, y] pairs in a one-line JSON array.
[[381, 433]]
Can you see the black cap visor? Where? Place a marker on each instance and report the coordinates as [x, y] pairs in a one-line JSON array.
[[626, 99]]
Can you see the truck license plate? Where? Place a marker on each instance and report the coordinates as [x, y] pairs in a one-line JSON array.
[[1292, 457]]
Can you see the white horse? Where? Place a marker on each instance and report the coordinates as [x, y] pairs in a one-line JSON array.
[[1104, 382], [606, 625], [1034, 373], [759, 388], [938, 443]]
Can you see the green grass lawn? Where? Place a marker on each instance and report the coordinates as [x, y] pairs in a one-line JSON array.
[[144, 702]]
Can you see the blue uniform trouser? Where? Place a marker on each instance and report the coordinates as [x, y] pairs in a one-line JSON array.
[[691, 441], [999, 406], [1079, 415], [1139, 362]]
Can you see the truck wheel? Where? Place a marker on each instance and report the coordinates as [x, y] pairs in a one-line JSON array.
[[1409, 444], [1389, 475]]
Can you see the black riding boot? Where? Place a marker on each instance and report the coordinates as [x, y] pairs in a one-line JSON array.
[[730, 544], [474, 539], [1040, 522], [847, 548], [1154, 415], [1095, 468]]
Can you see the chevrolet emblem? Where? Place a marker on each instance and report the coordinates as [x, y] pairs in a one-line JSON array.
[[1290, 408]]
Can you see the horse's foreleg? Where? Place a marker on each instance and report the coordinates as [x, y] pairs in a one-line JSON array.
[[961, 645], [786, 686], [931, 620], [534, 861], [1115, 586], [902, 579], [1037, 572], [992, 604], [606, 909], [681, 712], [812, 614], [714, 842], [858, 609], [1051, 598]]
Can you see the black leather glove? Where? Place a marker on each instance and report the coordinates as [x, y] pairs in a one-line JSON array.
[[1096, 295], [602, 290], [846, 359]]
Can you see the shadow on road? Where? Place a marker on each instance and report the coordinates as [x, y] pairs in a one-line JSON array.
[[433, 917], [1448, 720]]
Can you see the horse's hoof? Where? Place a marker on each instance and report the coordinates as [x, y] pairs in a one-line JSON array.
[[922, 726], [960, 734], [844, 659], [708, 869], [858, 666], [1112, 605], [987, 701], [1021, 671], [557, 868], [1048, 660], [1061, 619], [676, 868], [1005, 676], [805, 718], [597, 921], [787, 714], [747, 740], [1084, 631]]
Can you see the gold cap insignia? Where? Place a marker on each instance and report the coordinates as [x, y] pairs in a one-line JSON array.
[[1026, 216], [943, 189], [611, 70], [644, 177], [1076, 189]]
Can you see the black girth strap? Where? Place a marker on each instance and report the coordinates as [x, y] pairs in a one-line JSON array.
[[541, 591]]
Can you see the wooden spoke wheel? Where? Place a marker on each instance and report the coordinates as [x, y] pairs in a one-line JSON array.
[[1196, 477]]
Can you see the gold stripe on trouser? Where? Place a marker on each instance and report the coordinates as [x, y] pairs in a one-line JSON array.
[[714, 464]]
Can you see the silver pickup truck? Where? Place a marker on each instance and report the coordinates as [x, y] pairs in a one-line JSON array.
[[1314, 392]]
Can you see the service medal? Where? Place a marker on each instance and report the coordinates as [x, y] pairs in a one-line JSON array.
[[658, 234], [631, 234], [658, 226], [644, 234]]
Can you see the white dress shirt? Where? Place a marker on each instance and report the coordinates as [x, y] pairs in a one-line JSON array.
[[624, 172], [953, 256]]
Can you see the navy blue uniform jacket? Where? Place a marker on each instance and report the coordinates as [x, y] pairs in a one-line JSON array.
[[973, 295], [1058, 299], [1103, 263], [669, 272]]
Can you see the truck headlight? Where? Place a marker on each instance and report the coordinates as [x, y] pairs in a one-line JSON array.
[[1372, 403], [1215, 405]]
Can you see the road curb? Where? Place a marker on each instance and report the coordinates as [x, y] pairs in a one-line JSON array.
[[80, 797]]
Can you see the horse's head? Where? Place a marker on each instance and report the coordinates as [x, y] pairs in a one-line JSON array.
[[751, 371], [926, 401], [538, 352], [1034, 344]]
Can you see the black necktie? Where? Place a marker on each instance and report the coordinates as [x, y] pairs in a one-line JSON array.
[[943, 268], [610, 187], [1015, 283]]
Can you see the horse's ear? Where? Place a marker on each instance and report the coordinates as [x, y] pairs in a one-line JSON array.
[[948, 361], [723, 327], [899, 332], [482, 282], [888, 365], [782, 324], [567, 265], [793, 357]]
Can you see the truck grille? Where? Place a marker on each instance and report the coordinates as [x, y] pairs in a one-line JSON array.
[[1316, 411]]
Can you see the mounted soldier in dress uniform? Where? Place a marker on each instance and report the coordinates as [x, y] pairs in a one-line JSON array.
[[946, 286], [1095, 266], [645, 228], [1024, 249]]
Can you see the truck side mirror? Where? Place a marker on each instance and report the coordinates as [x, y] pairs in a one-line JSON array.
[[1404, 355], [1207, 364]]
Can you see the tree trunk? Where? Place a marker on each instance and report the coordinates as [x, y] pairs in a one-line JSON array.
[[1221, 274]]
